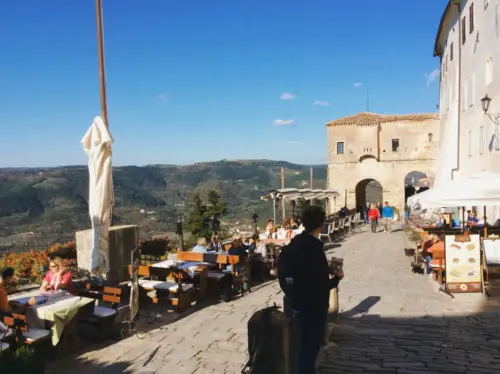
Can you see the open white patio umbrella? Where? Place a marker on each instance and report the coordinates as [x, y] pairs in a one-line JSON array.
[[481, 189], [97, 144]]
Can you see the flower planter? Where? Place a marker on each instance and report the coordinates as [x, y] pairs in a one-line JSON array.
[[409, 252], [154, 248]]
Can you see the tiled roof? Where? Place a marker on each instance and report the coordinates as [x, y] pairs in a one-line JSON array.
[[373, 119]]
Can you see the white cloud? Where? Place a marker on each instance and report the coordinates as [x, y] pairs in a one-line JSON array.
[[321, 103], [293, 142], [287, 96], [357, 85], [163, 97], [284, 122], [431, 77]]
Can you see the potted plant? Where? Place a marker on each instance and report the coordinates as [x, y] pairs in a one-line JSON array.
[[154, 246], [413, 237], [22, 360]]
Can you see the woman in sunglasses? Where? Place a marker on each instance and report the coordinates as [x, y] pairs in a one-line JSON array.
[[57, 278]]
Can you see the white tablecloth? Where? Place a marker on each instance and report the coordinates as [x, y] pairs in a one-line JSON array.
[[179, 264]]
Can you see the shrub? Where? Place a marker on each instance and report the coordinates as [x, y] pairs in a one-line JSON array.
[[28, 265]]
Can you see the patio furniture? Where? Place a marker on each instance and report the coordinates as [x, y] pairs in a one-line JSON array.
[[57, 312], [19, 330], [327, 232]]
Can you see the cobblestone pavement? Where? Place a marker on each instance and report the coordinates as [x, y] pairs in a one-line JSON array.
[[393, 321]]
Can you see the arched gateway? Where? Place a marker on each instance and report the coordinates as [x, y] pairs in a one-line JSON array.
[[370, 147]]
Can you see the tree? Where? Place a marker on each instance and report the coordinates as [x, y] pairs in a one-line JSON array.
[[300, 205], [317, 202], [204, 219], [196, 222]]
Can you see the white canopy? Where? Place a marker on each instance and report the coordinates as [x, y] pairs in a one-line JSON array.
[[97, 144], [481, 189]]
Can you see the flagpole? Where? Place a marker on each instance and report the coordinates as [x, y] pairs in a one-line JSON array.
[[102, 81], [102, 73]]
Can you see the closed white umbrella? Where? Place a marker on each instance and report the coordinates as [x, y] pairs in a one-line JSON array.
[[97, 144]]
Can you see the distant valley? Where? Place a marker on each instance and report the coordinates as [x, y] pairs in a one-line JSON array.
[[42, 205]]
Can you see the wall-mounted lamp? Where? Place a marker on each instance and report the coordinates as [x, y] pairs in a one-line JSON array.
[[485, 102], [495, 118], [430, 135]]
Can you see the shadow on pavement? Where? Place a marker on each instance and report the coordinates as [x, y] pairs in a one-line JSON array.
[[92, 367], [362, 307], [446, 344]]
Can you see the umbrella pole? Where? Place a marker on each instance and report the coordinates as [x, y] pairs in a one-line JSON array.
[[102, 76], [102, 72], [485, 222]]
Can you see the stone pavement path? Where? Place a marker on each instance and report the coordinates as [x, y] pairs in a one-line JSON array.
[[393, 321]]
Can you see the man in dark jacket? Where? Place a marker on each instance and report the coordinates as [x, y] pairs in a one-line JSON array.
[[310, 292]]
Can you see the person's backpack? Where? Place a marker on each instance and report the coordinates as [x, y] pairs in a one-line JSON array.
[[286, 266]]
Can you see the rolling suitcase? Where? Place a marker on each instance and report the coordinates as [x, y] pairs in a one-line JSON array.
[[272, 343]]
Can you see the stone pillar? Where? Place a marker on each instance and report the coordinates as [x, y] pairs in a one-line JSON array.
[[122, 240]]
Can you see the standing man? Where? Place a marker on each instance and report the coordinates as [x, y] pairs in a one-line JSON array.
[[304, 275], [366, 209], [387, 216]]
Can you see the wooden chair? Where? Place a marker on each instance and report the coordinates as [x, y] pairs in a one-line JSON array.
[[20, 331], [241, 272], [100, 324]]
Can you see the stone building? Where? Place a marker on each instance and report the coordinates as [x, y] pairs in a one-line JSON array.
[[368, 148]]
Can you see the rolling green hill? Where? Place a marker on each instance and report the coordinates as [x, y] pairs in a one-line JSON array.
[[42, 205]]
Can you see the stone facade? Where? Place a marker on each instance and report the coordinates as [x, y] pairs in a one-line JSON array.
[[468, 46], [384, 148]]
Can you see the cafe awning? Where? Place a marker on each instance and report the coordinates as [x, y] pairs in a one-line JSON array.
[[294, 193]]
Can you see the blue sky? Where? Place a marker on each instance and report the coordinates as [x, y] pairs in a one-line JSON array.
[[204, 80]]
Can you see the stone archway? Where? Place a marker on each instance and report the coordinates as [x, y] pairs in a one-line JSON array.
[[368, 191], [415, 182]]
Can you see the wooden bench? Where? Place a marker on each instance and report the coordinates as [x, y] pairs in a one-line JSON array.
[[173, 283]]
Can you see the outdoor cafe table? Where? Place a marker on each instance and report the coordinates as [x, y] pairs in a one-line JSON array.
[[59, 310], [189, 267]]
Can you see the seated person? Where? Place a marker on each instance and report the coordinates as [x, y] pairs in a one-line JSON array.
[[201, 246], [6, 276], [214, 245], [270, 228], [57, 278], [258, 255], [257, 247], [281, 233], [290, 234], [272, 234], [238, 248], [472, 219], [426, 252]]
